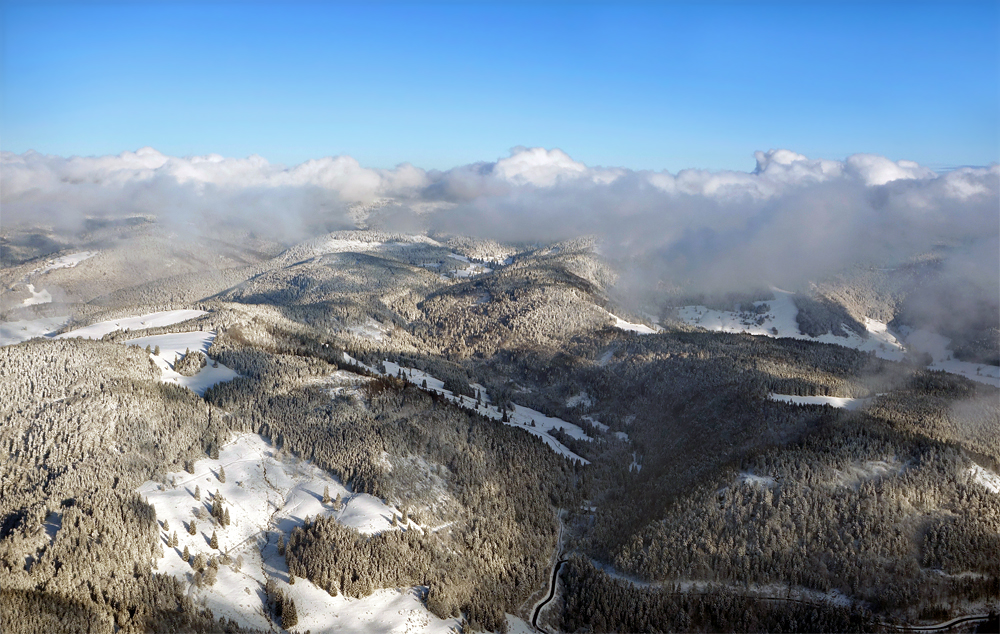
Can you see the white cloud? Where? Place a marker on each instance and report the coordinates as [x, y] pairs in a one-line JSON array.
[[538, 167], [790, 219]]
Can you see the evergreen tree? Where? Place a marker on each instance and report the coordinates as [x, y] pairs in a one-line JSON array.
[[173, 540], [166, 526], [326, 494], [156, 350], [406, 516], [222, 475], [225, 518], [192, 528], [289, 615], [338, 503], [215, 541], [186, 556], [197, 492]]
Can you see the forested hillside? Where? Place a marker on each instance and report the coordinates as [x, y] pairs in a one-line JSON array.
[[689, 492]]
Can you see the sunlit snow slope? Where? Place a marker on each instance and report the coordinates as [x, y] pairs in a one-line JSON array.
[[269, 493]]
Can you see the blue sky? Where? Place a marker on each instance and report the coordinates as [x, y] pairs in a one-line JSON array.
[[645, 86]]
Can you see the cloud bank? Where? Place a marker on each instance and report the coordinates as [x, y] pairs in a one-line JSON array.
[[791, 220]]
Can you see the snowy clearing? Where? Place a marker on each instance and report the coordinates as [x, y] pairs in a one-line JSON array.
[[832, 401], [66, 262], [596, 423], [175, 345], [641, 329], [150, 320], [371, 329], [40, 297], [944, 359], [780, 321], [857, 472], [986, 478], [268, 492], [753, 479], [532, 421], [12, 332], [579, 399]]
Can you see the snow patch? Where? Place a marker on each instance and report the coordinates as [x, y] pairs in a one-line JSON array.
[[371, 329], [268, 492], [149, 320], [986, 478], [636, 463], [944, 359], [596, 423], [66, 262], [530, 420], [176, 344], [779, 321], [832, 401], [12, 332], [642, 329], [579, 399], [41, 297], [858, 472], [756, 480]]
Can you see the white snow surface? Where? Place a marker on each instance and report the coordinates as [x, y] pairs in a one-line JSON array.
[[986, 478], [66, 261], [944, 359], [175, 344], [149, 320], [579, 399], [883, 343], [39, 297], [642, 329], [371, 329], [267, 493], [746, 477], [521, 417], [12, 332], [781, 318], [832, 401]]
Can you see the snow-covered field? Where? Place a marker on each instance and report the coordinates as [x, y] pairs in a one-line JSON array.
[[37, 297], [150, 320], [986, 478], [474, 268], [269, 493], [525, 418], [832, 401], [642, 329], [12, 332], [779, 321], [176, 344], [371, 329], [66, 262], [944, 359]]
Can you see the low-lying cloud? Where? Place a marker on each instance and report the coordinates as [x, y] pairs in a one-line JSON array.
[[791, 220]]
